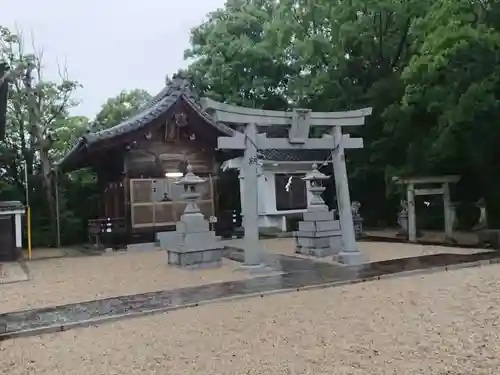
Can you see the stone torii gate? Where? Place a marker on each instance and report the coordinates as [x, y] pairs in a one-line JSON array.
[[443, 190], [300, 121]]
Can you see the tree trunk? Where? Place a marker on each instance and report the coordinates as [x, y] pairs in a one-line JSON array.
[[49, 190], [43, 147]]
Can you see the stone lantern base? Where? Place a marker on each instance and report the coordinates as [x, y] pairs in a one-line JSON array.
[[193, 244], [319, 234], [358, 226]]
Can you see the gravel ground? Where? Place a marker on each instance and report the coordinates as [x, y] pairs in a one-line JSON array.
[[12, 272], [444, 323], [68, 280], [376, 251]]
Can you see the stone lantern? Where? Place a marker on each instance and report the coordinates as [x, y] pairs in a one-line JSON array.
[[190, 181], [319, 233], [314, 180], [192, 244]]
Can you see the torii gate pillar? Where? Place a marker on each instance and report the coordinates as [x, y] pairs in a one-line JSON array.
[[300, 121], [250, 199], [350, 253]]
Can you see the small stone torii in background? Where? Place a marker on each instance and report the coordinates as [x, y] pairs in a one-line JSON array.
[[300, 121], [411, 192]]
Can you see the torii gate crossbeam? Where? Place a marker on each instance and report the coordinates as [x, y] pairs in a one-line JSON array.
[[300, 121]]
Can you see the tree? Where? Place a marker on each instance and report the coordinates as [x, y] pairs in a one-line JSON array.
[[234, 58], [66, 134], [445, 118], [35, 109], [120, 108], [318, 54]]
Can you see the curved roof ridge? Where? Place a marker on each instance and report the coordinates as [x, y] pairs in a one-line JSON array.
[[175, 88], [154, 108]]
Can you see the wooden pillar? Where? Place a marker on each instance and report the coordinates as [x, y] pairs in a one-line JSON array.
[[350, 253], [448, 218], [412, 221], [250, 198]]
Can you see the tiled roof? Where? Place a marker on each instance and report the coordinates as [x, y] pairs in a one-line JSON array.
[[175, 89]]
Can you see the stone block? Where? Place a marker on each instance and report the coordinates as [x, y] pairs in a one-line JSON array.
[[328, 225], [188, 259], [318, 215], [318, 252], [199, 240], [358, 226], [307, 226], [318, 234], [212, 256], [196, 224], [200, 258], [319, 226], [319, 238], [169, 239], [313, 242]]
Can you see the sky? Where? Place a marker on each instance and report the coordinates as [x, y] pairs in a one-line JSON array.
[[108, 45]]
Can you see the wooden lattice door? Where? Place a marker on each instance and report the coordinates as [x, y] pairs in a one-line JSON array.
[[159, 202]]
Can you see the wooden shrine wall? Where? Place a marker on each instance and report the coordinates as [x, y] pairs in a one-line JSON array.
[[112, 186], [154, 199], [166, 148]]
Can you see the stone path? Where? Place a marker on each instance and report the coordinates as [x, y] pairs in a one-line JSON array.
[[297, 273]]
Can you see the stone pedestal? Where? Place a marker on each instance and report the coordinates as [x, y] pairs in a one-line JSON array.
[[403, 224], [402, 220], [358, 226], [357, 220], [192, 244], [319, 234]]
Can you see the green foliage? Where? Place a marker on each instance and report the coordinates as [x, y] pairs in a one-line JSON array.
[[236, 58], [453, 83], [120, 108], [429, 69], [39, 132]]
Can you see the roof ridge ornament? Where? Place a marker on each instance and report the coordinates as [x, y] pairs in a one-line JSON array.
[[180, 79]]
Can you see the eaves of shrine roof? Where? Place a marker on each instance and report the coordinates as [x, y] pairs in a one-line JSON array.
[[161, 103], [176, 89]]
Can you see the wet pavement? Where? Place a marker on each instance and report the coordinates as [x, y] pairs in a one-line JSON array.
[[296, 273]]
